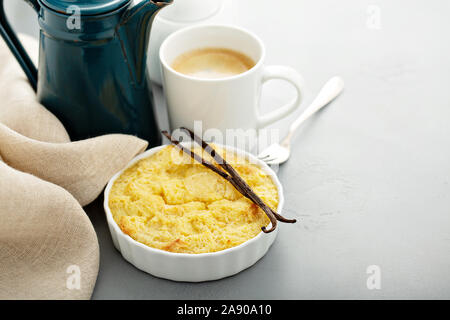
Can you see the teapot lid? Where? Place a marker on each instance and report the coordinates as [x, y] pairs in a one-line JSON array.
[[87, 7]]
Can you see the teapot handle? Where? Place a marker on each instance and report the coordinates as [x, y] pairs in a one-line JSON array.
[[16, 47]]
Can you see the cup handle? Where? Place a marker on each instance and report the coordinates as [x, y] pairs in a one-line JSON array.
[[290, 75]]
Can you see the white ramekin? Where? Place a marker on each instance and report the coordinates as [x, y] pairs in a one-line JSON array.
[[185, 266]]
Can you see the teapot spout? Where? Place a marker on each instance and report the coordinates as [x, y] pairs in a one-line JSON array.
[[134, 32]]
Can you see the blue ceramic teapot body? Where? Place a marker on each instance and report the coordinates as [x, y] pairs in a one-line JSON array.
[[92, 64]]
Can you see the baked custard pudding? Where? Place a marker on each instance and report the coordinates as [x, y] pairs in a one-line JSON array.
[[170, 202]]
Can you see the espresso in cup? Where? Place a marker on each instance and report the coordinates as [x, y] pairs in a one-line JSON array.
[[212, 63], [214, 74]]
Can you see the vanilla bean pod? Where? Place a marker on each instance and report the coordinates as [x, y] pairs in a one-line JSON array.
[[233, 177], [207, 164], [249, 193]]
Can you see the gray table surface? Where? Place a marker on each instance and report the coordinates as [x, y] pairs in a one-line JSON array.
[[369, 177]]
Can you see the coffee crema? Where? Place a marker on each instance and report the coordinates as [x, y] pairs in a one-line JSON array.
[[212, 63]]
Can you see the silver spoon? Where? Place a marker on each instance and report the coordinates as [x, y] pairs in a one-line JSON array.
[[279, 153]]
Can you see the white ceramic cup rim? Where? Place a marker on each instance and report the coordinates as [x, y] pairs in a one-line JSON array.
[[151, 151], [258, 41]]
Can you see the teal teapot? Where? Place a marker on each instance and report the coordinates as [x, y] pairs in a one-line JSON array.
[[92, 71]]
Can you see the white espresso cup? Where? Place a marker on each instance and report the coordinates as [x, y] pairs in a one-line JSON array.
[[225, 103]]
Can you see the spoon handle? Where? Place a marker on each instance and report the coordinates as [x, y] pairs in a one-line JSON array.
[[329, 91]]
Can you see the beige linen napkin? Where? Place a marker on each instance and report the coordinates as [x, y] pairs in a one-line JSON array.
[[48, 247]]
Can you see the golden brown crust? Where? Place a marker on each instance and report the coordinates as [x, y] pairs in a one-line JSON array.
[[170, 203]]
